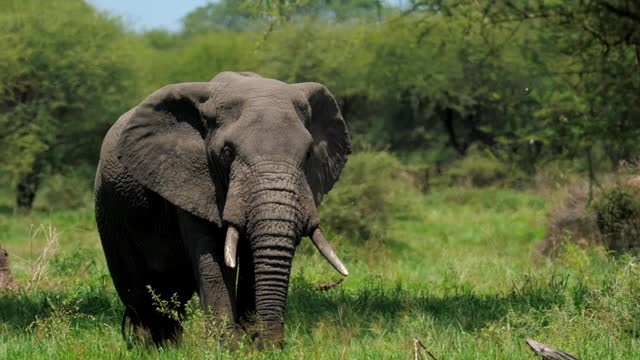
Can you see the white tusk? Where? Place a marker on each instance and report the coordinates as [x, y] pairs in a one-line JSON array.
[[326, 250], [231, 247]]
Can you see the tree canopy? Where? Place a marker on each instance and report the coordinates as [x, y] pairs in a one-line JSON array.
[[530, 81]]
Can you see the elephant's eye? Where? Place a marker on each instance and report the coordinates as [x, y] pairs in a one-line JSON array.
[[227, 154]]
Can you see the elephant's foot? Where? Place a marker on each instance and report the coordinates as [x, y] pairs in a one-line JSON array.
[[156, 331], [265, 335]]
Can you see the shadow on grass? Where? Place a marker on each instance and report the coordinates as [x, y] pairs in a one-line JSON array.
[[21, 308], [376, 303]]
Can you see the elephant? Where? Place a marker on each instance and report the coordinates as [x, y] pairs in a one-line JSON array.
[[208, 188]]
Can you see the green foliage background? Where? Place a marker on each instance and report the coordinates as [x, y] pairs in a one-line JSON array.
[[441, 96], [531, 81]]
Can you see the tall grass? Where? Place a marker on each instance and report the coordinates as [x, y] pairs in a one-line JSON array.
[[459, 274]]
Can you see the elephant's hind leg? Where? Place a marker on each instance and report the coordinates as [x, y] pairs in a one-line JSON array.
[[143, 290], [159, 306]]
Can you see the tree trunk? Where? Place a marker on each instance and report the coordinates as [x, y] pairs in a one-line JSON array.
[[26, 190]]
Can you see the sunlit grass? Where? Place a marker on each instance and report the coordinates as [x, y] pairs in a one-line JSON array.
[[459, 273]]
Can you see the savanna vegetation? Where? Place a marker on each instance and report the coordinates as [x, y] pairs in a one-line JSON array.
[[492, 195]]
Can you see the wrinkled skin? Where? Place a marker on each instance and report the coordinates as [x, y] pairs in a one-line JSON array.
[[240, 157]]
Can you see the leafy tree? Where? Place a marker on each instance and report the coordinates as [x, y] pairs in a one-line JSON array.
[[233, 15], [255, 15], [67, 73]]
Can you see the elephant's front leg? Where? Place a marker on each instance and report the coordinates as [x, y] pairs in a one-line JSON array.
[[215, 282], [246, 293]]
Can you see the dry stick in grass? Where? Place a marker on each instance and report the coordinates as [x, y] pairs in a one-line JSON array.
[[547, 352], [40, 265], [329, 285], [416, 353]]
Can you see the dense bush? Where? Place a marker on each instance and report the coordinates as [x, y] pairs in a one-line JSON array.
[[69, 190], [481, 169], [609, 218], [372, 188], [618, 217]]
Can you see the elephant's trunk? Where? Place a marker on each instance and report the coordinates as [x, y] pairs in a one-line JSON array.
[[271, 204], [276, 220]]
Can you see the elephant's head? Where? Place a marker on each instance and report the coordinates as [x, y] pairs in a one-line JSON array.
[[251, 154]]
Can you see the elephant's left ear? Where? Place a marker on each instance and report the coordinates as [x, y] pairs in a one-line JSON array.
[[331, 140]]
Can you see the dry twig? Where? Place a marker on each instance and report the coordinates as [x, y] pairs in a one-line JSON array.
[[416, 350], [329, 285], [39, 267], [547, 352]]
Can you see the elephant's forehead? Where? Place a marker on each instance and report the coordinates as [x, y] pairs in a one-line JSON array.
[[257, 88]]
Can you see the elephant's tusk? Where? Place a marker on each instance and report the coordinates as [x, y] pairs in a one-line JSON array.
[[231, 247], [326, 250]]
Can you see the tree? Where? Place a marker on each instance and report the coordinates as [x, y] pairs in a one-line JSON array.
[[242, 15], [67, 73]]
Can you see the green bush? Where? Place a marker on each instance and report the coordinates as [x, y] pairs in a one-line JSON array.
[[71, 190], [479, 169], [618, 217], [608, 218], [373, 188]]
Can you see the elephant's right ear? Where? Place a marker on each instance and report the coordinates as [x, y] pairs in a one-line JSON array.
[[163, 147]]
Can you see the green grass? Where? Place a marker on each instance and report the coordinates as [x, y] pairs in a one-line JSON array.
[[458, 271]]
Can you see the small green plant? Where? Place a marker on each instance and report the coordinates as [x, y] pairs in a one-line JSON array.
[[58, 324], [170, 308]]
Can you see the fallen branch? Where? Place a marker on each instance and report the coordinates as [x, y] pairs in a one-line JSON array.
[[547, 352], [329, 285], [416, 350]]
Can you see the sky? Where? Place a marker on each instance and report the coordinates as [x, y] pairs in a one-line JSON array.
[[147, 14]]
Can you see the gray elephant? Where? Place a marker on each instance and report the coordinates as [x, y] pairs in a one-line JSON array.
[[208, 187]]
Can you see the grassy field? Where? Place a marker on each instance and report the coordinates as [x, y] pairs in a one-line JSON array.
[[458, 271]]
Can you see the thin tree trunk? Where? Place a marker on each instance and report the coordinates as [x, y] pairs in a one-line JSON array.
[[26, 190]]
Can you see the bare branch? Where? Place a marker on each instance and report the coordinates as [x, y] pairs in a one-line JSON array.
[[547, 352], [329, 285], [417, 342]]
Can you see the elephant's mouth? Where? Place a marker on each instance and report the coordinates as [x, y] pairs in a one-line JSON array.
[[317, 237]]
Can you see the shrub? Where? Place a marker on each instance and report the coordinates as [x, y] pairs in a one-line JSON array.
[[373, 187], [71, 190], [554, 175], [570, 220], [611, 220], [618, 217], [479, 169]]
